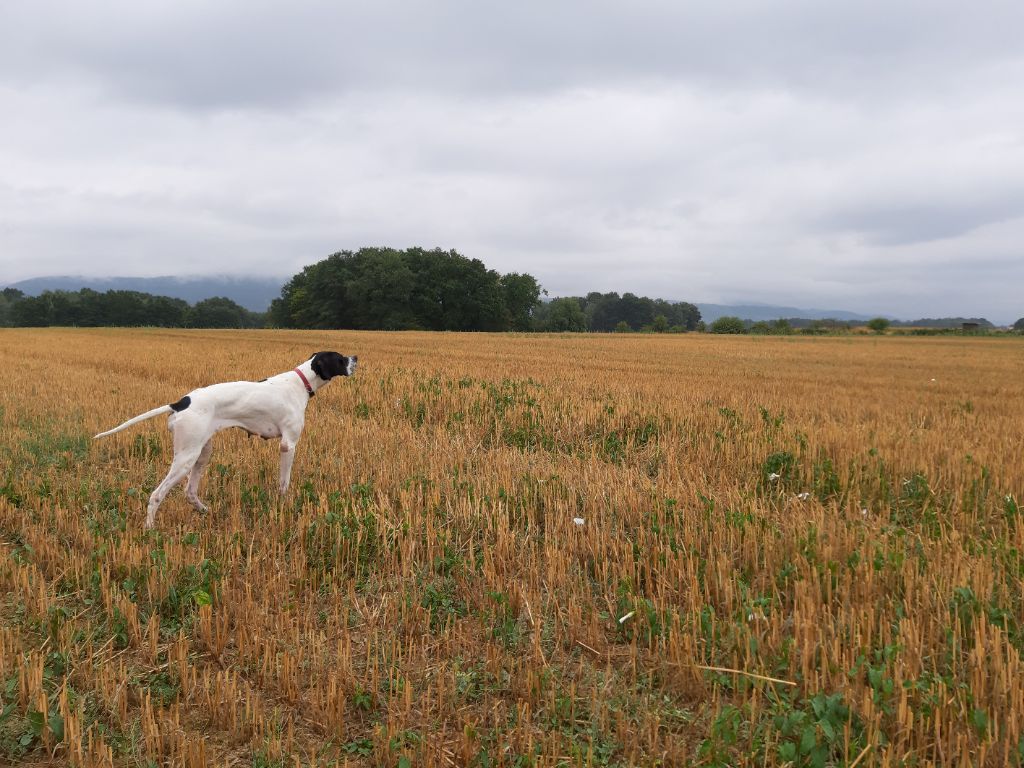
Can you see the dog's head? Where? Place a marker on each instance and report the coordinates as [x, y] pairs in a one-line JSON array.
[[327, 365]]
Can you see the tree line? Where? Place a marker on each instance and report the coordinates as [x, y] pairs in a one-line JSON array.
[[436, 290], [730, 324], [611, 312], [369, 289], [89, 308]]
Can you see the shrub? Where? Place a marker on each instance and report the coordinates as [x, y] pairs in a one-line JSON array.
[[728, 324]]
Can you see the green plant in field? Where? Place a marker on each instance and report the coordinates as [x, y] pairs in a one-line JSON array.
[[7, 491], [262, 759], [163, 688], [22, 732], [826, 483], [877, 672], [362, 699], [720, 746], [405, 739], [363, 747], [772, 423], [502, 620], [256, 498], [812, 735], [49, 447], [442, 600], [779, 470], [617, 443]]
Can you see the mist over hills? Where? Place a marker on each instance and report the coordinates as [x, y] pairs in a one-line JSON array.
[[756, 312]]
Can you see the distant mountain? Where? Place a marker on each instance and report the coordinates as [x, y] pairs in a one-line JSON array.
[[253, 293], [711, 312]]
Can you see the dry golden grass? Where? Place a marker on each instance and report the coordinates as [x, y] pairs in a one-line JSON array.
[[838, 515]]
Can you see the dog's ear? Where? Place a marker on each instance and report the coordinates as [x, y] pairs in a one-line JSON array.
[[317, 365]]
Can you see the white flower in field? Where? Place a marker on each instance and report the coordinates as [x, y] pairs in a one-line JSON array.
[[578, 520], [864, 511], [804, 496], [1008, 497], [627, 617], [774, 476], [933, 379]]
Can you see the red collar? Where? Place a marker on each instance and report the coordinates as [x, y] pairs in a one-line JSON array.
[[305, 381]]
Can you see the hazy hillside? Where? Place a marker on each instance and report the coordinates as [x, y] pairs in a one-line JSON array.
[[253, 293], [711, 312]]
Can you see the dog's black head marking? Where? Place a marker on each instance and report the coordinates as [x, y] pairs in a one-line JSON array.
[[327, 365]]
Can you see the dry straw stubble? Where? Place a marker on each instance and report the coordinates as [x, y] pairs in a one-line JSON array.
[[471, 520]]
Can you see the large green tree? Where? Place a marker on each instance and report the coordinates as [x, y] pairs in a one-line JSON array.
[[521, 293], [565, 314], [219, 312], [878, 324], [728, 324], [385, 288]]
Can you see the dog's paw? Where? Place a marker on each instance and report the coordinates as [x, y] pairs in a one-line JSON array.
[[200, 507]]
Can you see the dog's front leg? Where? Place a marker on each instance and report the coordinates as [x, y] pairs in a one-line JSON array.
[[287, 458]]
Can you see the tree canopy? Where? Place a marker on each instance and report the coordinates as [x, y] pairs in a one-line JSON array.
[[220, 312], [412, 289], [728, 324]]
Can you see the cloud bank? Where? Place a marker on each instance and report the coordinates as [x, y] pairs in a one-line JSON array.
[[861, 156]]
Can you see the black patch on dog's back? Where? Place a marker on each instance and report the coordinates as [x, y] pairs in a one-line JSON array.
[[182, 404]]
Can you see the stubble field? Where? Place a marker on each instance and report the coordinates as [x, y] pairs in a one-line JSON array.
[[519, 550]]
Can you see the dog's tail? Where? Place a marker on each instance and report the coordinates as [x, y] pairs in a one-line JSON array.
[[181, 405]]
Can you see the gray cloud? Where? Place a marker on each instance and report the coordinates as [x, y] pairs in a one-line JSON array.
[[858, 155]]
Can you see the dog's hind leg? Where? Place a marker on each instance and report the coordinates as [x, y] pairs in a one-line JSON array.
[[195, 476], [183, 462]]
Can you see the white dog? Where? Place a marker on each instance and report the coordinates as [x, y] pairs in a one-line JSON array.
[[274, 407]]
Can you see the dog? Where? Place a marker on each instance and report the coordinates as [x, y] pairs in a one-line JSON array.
[[272, 408]]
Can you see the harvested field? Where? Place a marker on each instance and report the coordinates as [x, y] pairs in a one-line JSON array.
[[519, 550]]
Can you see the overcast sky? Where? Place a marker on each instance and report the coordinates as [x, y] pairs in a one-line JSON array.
[[861, 155]]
